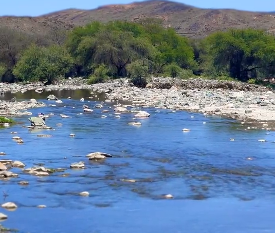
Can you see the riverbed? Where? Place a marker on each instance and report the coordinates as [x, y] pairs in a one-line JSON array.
[[220, 176]]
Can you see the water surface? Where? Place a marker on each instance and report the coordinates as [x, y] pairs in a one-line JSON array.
[[218, 185]]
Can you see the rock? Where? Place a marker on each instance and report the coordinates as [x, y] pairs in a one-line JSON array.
[[87, 110], [9, 205], [41, 206], [261, 140], [2, 167], [18, 164], [64, 116], [52, 97], [79, 165], [98, 155], [41, 173], [23, 182], [84, 194], [72, 135], [185, 130], [168, 196], [33, 101], [142, 114], [128, 180], [3, 216], [7, 174], [134, 123], [2, 153], [121, 109]]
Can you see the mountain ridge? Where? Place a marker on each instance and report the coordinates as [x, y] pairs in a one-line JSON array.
[[185, 19]]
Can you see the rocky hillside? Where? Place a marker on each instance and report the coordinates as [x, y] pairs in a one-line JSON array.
[[187, 20]]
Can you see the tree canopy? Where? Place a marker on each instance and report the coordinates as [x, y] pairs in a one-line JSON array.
[[241, 54]]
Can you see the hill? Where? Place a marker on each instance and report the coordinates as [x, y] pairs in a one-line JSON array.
[[187, 20]]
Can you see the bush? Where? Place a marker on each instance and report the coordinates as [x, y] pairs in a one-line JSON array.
[[100, 75], [95, 79], [252, 81], [6, 120], [186, 74], [136, 71], [172, 70]]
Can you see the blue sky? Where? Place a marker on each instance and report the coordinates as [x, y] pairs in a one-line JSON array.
[[38, 7]]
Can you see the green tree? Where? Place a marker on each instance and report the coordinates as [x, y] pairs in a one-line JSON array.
[[242, 54], [43, 64], [171, 47]]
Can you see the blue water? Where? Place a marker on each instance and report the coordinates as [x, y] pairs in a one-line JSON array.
[[215, 187]]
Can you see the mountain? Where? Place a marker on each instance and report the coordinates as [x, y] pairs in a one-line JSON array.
[[187, 20]]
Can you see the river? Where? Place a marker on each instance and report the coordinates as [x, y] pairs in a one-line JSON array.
[[218, 184]]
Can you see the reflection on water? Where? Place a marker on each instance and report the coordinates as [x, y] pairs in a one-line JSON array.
[[216, 188]]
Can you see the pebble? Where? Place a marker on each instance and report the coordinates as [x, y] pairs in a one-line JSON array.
[[84, 194]]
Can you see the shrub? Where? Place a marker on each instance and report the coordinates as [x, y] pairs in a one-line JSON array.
[[6, 120], [186, 74], [137, 71], [252, 81], [100, 74], [172, 70]]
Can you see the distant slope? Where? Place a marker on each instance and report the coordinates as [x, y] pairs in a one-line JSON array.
[[38, 27], [187, 20]]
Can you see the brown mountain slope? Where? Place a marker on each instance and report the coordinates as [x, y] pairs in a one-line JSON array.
[[187, 20], [37, 27]]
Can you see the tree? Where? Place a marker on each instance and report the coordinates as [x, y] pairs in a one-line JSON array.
[[171, 47], [43, 64], [242, 54]]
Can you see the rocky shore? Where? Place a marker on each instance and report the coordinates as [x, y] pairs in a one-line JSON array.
[[242, 101], [235, 100]]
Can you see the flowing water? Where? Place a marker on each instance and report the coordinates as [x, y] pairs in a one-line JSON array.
[[218, 185]]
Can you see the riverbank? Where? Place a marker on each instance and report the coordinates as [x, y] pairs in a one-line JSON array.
[[241, 101]]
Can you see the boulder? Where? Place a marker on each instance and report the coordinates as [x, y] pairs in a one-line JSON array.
[[98, 155], [79, 165], [9, 205], [18, 164], [2, 167], [142, 114], [52, 97], [3, 216], [7, 174]]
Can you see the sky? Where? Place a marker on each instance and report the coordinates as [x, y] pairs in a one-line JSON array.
[[40, 7]]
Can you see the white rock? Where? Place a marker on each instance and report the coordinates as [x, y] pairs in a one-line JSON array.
[[98, 155], [168, 196], [18, 164], [2, 167], [84, 194], [3, 216], [79, 165], [261, 140], [142, 114], [185, 130], [9, 205]]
